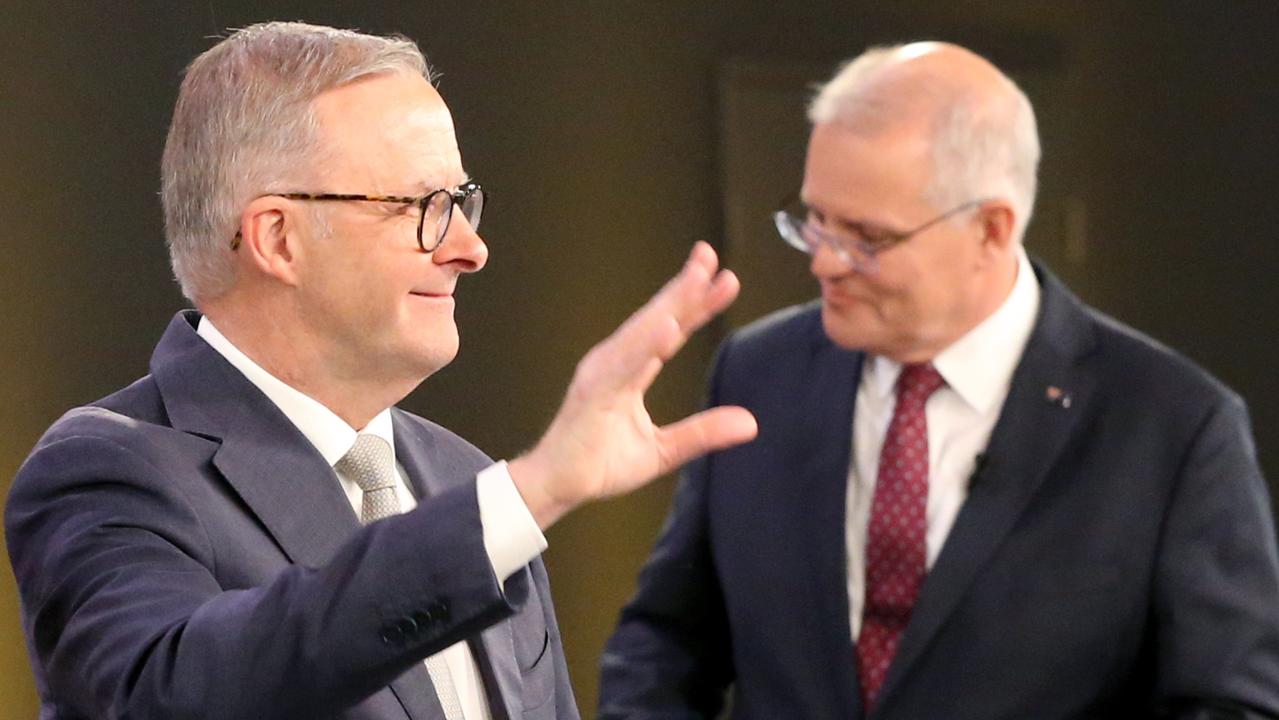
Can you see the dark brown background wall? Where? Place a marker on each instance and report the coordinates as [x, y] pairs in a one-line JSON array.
[[597, 127]]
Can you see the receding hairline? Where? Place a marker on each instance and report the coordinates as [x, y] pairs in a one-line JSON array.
[[912, 85], [981, 125]]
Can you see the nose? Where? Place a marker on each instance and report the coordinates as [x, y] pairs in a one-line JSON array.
[[825, 262], [462, 246]]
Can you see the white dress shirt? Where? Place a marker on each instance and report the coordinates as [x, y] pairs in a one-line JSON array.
[[978, 370], [511, 536]]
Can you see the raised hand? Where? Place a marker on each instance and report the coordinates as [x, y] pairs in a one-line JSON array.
[[602, 441]]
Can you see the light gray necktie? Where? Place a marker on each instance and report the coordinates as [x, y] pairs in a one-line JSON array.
[[370, 463]]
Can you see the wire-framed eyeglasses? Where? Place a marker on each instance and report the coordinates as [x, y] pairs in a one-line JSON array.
[[435, 209], [855, 244]]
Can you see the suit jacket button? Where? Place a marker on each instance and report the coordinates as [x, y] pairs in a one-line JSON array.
[[392, 634], [424, 618], [408, 628], [439, 611], [399, 632]]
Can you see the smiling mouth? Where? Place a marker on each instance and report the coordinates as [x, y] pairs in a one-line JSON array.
[[433, 296], [842, 299], [838, 297]]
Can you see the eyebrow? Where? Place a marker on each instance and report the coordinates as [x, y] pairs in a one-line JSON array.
[[858, 224]]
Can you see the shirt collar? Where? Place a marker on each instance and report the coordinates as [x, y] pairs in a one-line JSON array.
[[980, 364], [330, 434]]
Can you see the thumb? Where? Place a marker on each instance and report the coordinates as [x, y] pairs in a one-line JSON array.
[[713, 429]]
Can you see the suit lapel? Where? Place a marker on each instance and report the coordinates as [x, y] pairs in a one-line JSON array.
[[823, 428], [416, 452], [269, 463], [293, 491], [417, 695], [1032, 429]]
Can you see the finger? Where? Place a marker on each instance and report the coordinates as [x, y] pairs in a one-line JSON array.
[[706, 431], [704, 255], [687, 302], [655, 331], [633, 355], [694, 296], [689, 285], [642, 380], [720, 293]]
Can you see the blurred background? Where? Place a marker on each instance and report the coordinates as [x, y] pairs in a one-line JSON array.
[[612, 135]]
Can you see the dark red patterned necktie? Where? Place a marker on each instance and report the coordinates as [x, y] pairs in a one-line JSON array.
[[895, 538]]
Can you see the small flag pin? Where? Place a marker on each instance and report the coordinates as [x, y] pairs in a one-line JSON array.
[[1057, 396]]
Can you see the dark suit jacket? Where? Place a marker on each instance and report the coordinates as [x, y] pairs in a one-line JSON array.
[[183, 551], [1116, 556]]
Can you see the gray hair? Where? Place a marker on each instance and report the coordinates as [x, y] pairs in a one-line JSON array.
[[244, 125], [981, 146]]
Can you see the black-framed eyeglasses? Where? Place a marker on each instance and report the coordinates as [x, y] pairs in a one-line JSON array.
[[435, 209], [855, 244]]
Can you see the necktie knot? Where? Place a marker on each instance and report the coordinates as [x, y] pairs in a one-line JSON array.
[[369, 463], [918, 382]]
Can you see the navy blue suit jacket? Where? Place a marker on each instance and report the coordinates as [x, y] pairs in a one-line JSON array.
[[182, 551], [1116, 556]]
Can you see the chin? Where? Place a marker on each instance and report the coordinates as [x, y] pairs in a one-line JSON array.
[[850, 329], [435, 358], [429, 349]]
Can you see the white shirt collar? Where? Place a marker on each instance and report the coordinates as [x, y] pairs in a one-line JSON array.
[[330, 434], [978, 366]]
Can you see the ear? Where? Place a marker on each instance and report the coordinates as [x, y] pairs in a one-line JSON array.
[[996, 219], [269, 239]]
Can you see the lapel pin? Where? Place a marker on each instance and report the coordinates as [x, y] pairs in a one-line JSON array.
[[1057, 396]]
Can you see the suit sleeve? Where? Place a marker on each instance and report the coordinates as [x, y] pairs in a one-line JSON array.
[[670, 656], [127, 617], [1216, 608]]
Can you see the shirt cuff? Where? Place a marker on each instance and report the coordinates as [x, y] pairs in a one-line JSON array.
[[511, 536]]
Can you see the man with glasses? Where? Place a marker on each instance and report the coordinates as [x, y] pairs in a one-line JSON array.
[[971, 495], [253, 530]]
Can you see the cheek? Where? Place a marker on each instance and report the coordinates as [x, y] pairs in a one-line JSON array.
[[894, 291], [943, 298], [928, 281], [356, 298], [325, 290]]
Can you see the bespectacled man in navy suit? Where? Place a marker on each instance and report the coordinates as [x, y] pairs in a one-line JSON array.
[[253, 530], [971, 496]]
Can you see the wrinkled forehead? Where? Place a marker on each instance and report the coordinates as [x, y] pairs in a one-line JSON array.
[[391, 132]]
